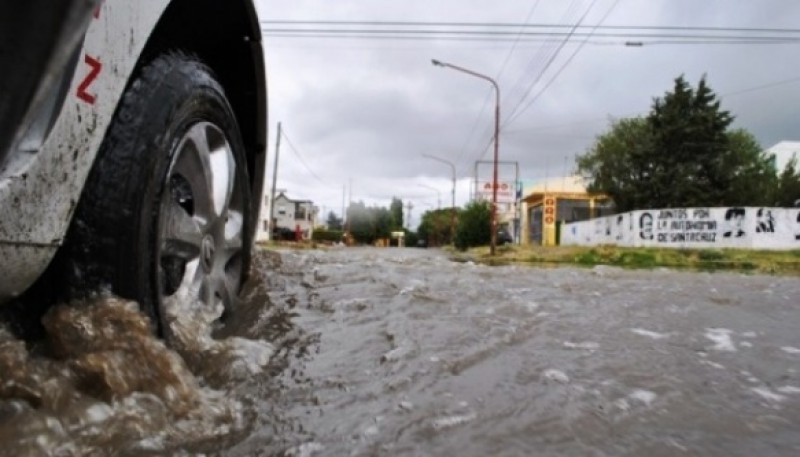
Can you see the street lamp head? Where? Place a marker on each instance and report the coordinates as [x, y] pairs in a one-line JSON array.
[[437, 63]]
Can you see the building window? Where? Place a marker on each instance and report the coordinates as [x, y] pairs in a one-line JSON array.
[[300, 213], [282, 210]]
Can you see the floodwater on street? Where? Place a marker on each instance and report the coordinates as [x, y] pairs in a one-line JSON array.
[[403, 352]]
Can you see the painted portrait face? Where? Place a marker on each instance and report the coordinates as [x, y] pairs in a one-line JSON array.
[[797, 228], [646, 226], [734, 217]]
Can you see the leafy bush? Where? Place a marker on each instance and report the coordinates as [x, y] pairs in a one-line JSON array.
[[332, 236], [474, 225]]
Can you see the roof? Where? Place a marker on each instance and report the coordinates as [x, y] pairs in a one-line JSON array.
[[283, 195], [783, 152], [563, 185]]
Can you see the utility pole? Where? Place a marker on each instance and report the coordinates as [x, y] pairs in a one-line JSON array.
[[409, 207], [350, 201], [516, 183], [344, 190], [274, 183]]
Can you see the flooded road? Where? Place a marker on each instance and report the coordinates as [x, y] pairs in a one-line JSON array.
[[403, 352]]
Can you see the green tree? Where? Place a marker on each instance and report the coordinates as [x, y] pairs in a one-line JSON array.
[[368, 224], [383, 222], [474, 225], [617, 163], [359, 223], [788, 188], [434, 227], [681, 155], [750, 174], [688, 129], [333, 222]]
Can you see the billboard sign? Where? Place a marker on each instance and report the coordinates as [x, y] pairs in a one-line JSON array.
[[506, 191]]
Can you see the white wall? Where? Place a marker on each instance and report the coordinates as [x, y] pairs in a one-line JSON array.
[[757, 228], [262, 228]]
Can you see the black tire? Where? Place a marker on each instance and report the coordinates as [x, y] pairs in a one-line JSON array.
[[131, 233]]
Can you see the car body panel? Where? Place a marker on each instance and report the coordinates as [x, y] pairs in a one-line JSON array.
[[39, 190]]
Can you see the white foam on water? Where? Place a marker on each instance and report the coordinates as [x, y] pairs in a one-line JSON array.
[[452, 421], [588, 345], [623, 404], [406, 405], [713, 364], [531, 306], [746, 344], [305, 450], [672, 442], [150, 444], [721, 338], [750, 334], [251, 356], [791, 390], [98, 412], [556, 375], [790, 350], [649, 333], [768, 395], [645, 396], [372, 430], [395, 354]]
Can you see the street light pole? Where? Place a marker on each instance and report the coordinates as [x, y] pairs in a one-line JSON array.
[[453, 194], [496, 141]]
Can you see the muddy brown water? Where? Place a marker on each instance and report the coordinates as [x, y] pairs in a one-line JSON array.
[[403, 352]]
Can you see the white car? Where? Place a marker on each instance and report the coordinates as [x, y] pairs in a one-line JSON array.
[[140, 165]]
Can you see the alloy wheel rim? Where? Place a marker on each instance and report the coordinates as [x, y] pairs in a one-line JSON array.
[[201, 224]]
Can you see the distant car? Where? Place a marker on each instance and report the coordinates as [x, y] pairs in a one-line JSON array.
[[140, 166], [503, 237], [283, 234]]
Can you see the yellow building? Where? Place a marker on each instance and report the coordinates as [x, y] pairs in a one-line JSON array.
[[547, 205]]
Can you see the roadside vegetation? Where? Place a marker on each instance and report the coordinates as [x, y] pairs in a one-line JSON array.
[[765, 262], [685, 154]]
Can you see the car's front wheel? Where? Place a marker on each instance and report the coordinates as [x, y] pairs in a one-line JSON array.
[[166, 207]]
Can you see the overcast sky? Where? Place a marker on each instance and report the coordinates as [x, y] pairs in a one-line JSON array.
[[363, 111]]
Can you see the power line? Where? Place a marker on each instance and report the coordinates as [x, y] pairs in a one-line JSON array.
[[511, 119], [524, 25], [524, 31], [486, 99], [550, 60], [493, 35], [537, 60], [302, 161]]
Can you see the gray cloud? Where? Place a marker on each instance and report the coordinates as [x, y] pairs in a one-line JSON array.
[[367, 109]]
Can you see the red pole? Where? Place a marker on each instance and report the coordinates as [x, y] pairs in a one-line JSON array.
[[494, 183]]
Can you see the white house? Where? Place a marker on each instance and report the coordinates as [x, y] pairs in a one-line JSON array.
[[290, 215], [783, 153]]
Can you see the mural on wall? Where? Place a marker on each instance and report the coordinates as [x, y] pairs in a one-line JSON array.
[[739, 227], [797, 228], [734, 220], [765, 222]]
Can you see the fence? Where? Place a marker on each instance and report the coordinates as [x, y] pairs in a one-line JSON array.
[[733, 227]]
